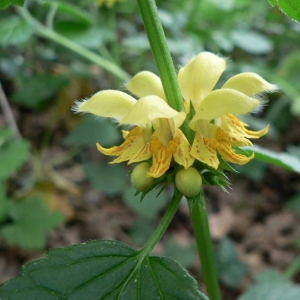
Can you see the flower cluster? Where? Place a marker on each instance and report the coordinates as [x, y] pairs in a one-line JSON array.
[[156, 136]]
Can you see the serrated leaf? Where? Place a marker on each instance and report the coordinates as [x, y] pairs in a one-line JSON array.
[[31, 222], [291, 8], [14, 31], [6, 3], [101, 270], [283, 160], [13, 154], [230, 269]]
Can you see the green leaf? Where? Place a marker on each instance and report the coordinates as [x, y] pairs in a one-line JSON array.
[[6, 3], [252, 42], [14, 31], [230, 269], [291, 8], [38, 89], [91, 131], [273, 2], [184, 254], [293, 204], [101, 270], [5, 135], [283, 160], [13, 154], [150, 206], [4, 203], [72, 11], [31, 222], [110, 179], [271, 285]]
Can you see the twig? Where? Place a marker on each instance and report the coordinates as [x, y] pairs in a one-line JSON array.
[[8, 114]]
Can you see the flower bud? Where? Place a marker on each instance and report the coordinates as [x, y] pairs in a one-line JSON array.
[[139, 178], [188, 182]]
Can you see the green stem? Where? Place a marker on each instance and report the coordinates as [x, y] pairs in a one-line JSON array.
[[205, 247], [161, 53], [163, 225], [163, 59], [293, 269], [89, 55]]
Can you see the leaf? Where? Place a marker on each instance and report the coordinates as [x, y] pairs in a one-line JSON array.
[[6, 3], [71, 10], [252, 42], [150, 206], [110, 179], [271, 285], [91, 131], [184, 254], [31, 222], [230, 269], [37, 89], [13, 154], [101, 270], [4, 203], [14, 31], [283, 160], [291, 8], [273, 2], [293, 204]]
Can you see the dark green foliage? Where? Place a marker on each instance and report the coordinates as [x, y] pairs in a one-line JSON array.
[[98, 270]]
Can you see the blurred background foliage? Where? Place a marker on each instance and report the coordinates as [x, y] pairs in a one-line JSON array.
[[55, 170]]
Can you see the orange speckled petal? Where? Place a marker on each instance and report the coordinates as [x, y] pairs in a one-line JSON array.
[[181, 148], [204, 150], [225, 149], [162, 157], [251, 134], [229, 155], [133, 143]]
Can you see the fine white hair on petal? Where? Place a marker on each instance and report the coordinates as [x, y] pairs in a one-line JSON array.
[[75, 107], [263, 97]]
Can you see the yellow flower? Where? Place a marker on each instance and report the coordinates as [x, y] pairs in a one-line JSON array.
[[108, 3], [156, 133], [217, 129]]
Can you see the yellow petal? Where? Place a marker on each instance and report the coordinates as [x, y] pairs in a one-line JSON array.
[[145, 84], [150, 108], [108, 103], [141, 155], [248, 84], [134, 142], [199, 76], [234, 123], [224, 147], [162, 157], [229, 155], [181, 150], [204, 150], [223, 102]]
